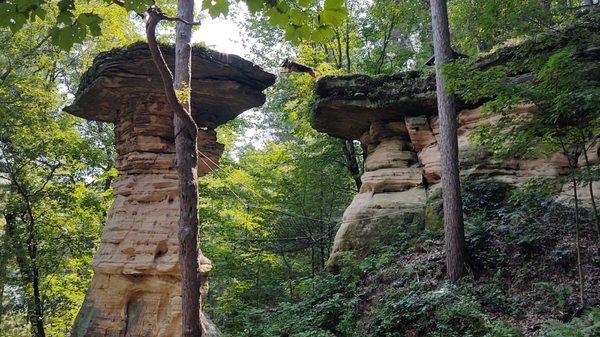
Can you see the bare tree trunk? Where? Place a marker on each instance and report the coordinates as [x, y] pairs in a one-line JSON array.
[[453, 217], [38, 309], [591, 187], [4, 253], [186, 149], [351, 162], [339, 48], [387, 35], [33, 271], [347, 41], [572, 159], [26, 261], [578, 241]]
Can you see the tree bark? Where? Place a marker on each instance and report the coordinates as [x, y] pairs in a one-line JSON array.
[[591, 189], [347, 41], [26, 261], [453, 217], [186, 149], [351, 162], [578, 241], [4, 254]]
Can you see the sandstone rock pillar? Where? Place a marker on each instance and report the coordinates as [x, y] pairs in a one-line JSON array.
[[392, 196], [135, 290]]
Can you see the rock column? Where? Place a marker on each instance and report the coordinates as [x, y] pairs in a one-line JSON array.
[[136, 286], [392, 196]]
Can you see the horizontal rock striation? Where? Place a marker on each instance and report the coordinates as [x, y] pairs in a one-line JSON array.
[[135, 290], [395, 119]]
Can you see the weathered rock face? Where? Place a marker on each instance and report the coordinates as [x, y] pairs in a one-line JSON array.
[[402, 171], [136, 288], [395, 119]]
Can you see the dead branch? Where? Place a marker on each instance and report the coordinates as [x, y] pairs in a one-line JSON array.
[[154, 17]]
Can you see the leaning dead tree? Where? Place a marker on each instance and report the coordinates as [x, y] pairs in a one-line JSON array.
[[178, 94]]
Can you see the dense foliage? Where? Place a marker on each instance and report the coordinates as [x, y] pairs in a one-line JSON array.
[[520, 272], [55, 173]]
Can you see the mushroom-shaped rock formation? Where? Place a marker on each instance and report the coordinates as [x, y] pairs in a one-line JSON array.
[[135, 290], [395, 119]]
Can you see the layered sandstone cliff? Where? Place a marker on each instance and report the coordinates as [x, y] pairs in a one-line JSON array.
[[135, 290], [395, 119]]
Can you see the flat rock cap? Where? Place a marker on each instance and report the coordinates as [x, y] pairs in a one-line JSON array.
[[223, 85], [347, 105]]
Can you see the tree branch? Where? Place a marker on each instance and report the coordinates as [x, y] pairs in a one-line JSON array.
[[154, 17]]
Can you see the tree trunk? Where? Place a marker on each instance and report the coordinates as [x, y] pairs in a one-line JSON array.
[[186, 149], [578, 241], [4, 254], [588, 3], [453, 217], [38, 309], [339, 48], [26, 261], [591, 187], [351, 162], [347, 41]]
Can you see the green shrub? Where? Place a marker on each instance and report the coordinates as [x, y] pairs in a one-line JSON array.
[[504, 329], [587, 326]]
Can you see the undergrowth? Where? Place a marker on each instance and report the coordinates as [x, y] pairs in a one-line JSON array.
[[521, 279]]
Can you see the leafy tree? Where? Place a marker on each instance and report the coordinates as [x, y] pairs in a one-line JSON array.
[[271, 210], [54, 179], [563, 93]]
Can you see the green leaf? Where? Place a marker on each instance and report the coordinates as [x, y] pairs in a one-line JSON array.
[[87, 18], [25, 5], [254, 6], [216, 7], [95, 29], [333, 17], [297, 34], [306, 3], [334, 4], [65, 37], [39, 12], [277, 18], [138, 6], [17, 22], [6, 11], [65, 18], [298, 18], [66, 5], [322, 34]]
